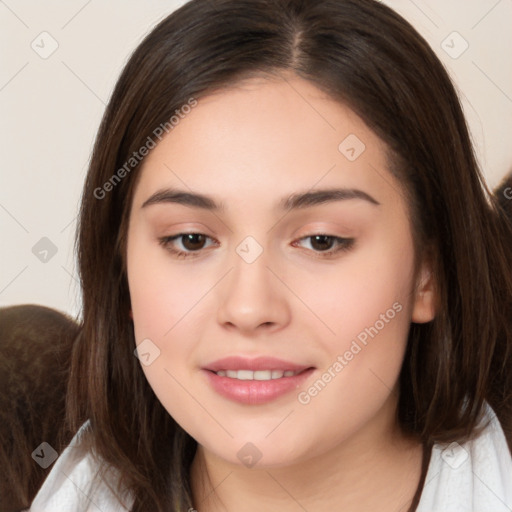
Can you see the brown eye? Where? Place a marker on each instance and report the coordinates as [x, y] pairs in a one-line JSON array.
[[321, 243], [191, 243]]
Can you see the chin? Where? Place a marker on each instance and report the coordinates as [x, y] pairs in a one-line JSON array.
[[260, 451]]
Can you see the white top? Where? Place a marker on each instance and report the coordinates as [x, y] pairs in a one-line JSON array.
[[473, 477]]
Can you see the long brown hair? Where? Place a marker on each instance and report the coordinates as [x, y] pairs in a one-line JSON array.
[[365, 55], [503, 196], [502, 203]]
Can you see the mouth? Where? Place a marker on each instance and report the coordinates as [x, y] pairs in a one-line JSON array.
[[257, 375], [255, 381]]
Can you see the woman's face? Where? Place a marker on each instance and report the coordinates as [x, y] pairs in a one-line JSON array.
[[258, 291]]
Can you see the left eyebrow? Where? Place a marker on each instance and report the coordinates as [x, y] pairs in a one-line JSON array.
[[292, 202], [317, 197]]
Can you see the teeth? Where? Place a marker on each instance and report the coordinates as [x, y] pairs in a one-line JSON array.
[[245, 375], [256, 375], [262, 375]]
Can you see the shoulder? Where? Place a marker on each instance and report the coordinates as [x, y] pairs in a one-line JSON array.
[[476, 475], [71, 484]]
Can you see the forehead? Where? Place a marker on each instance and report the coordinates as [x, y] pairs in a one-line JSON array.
[[264, 138]]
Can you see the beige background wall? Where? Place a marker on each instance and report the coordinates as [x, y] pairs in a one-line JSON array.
[[51, 105]]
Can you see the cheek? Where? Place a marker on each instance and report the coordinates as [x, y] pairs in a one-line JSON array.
[[162, 296], [159, 301], [366, 303], [363, 291], [162, 301]]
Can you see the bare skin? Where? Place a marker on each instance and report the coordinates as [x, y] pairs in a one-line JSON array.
[[249, 147], [368, 473]]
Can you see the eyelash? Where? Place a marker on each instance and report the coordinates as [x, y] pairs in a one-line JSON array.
[[345, 244]]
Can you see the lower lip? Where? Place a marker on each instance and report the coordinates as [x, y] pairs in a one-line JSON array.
[[254, 392]]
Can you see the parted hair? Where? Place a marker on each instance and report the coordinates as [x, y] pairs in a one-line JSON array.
[[366, 56]]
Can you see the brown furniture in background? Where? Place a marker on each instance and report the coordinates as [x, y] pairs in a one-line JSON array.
[[35, 351]]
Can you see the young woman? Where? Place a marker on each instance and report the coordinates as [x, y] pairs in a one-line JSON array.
[[295, 292]]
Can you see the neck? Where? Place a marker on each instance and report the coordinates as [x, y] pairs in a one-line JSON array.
[[376, 468]]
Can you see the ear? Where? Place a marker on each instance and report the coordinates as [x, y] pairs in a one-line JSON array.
[[424, 309]]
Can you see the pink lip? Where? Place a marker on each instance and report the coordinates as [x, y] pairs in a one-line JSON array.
[[255, 392]]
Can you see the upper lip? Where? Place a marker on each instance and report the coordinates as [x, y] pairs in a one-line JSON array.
[[254, 364]]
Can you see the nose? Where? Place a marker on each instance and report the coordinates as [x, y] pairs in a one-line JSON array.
[[253, 297]]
